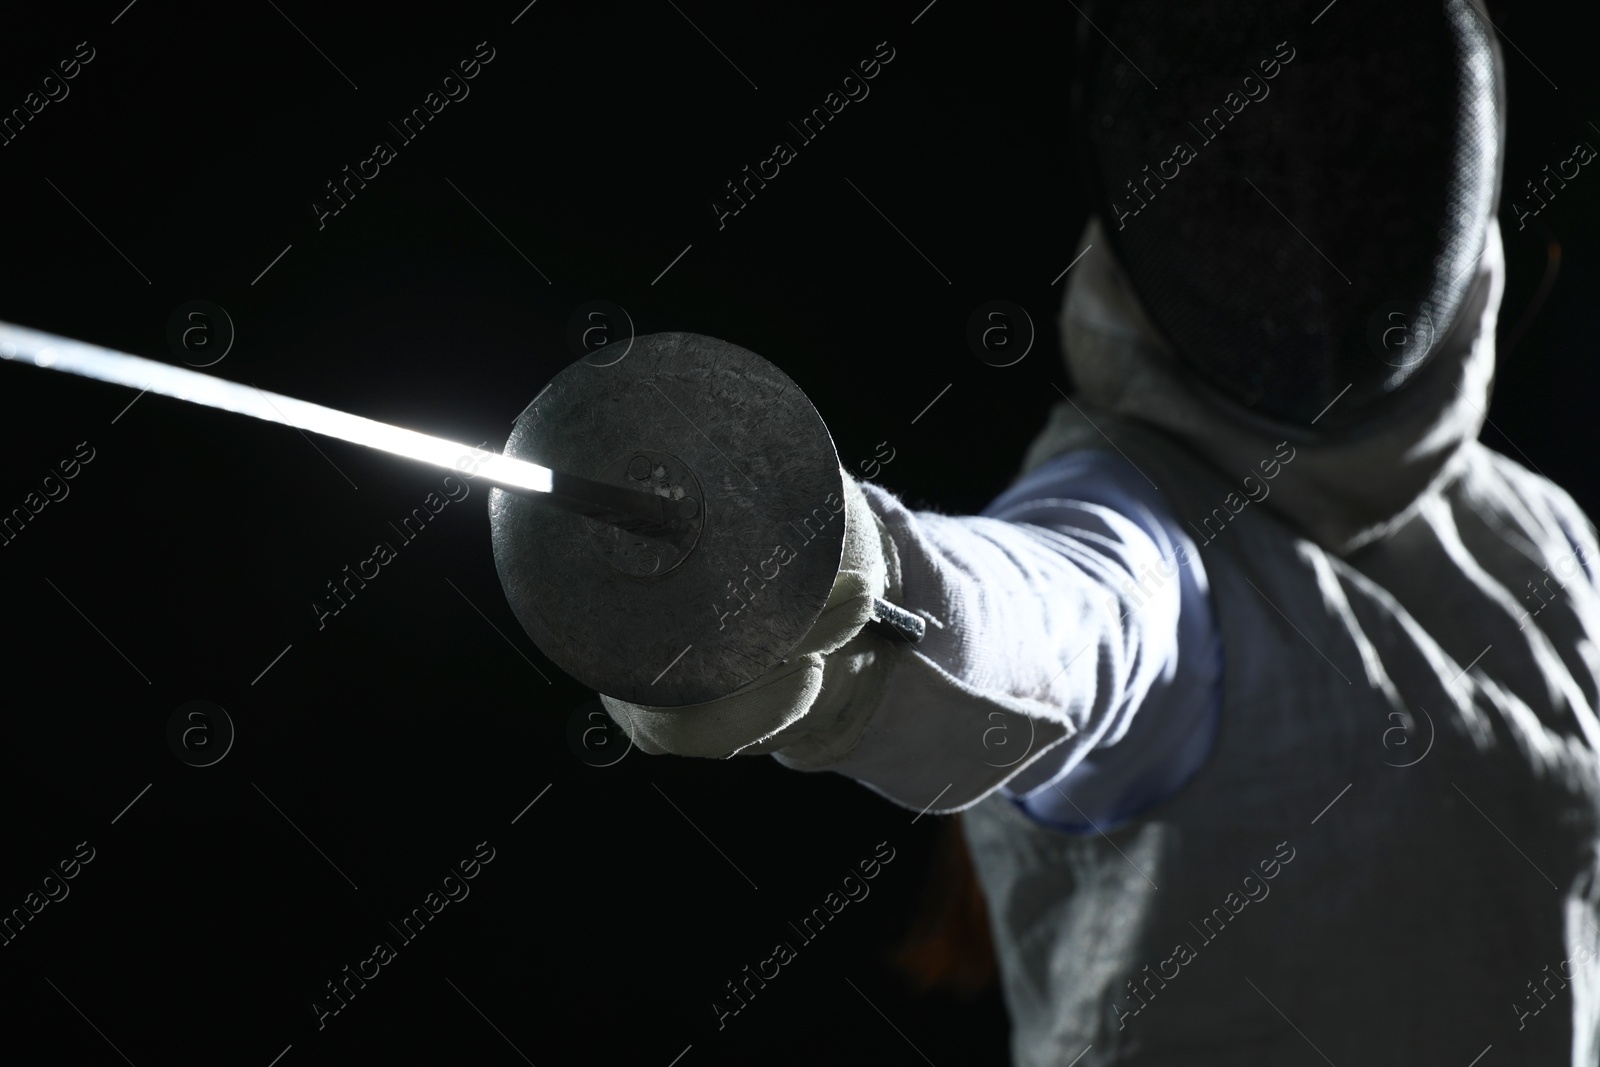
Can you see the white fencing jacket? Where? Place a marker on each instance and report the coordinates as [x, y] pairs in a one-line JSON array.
[[1339, 761]]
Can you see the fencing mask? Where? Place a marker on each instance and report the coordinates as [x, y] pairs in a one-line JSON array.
[[1299, 199]]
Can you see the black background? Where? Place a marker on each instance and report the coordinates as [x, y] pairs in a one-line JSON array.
[[185, 558]]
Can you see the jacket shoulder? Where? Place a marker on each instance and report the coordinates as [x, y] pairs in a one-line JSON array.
[[1529, 507]]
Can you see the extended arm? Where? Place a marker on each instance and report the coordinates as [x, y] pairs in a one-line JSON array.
[[1051, 622]]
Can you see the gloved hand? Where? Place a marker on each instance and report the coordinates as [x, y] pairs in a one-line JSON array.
[[752, 719]]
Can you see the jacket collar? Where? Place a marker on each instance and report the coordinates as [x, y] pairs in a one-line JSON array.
[[1344, 490]]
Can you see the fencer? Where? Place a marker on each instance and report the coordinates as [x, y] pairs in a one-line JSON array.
[[1267, 691]]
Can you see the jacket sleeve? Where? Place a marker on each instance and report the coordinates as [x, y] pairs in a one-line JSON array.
[[1052, 619]]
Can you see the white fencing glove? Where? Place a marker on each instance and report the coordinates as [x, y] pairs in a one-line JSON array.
[[816, 701]]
